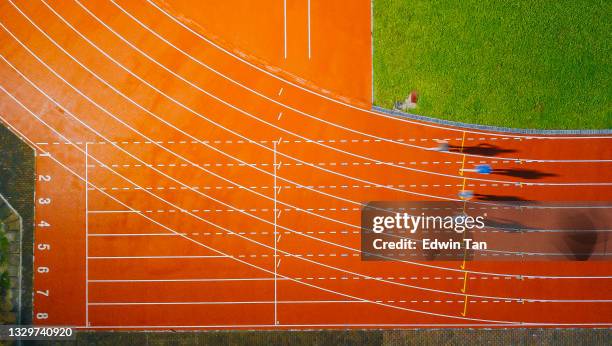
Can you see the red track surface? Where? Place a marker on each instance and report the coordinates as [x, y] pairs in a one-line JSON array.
[[180, 233]]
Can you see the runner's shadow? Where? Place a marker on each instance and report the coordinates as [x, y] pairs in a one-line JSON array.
[[483, 149], [484, 197], [523, 173], [507, 225]]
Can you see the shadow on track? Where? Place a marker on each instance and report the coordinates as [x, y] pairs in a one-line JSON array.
[[484, 149], [484, 197], [523, 173], [582, 244]]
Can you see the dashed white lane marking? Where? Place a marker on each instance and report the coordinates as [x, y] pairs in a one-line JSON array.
[[353, 255], [150, 211], [401, 140], [520, 301], [263, 164], [240, 210], [265, 187], [264, 233], [378, 278]]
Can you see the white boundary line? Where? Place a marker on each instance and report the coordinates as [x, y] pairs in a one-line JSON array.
[[109, 211], [171, 17], [271, 302], [152, 257], [313, 278], [274, 234], [275, 302], [130, 234], [309, 43], [182, 280], [285, 29], [86, 234]]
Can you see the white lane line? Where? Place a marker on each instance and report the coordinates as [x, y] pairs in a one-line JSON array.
[[326, 163], [289, 187], [152, 257], [226, 302], [338, 255], [225, 234], [285, 27], [296, 278], [274, 235], [182, 280], [129, 234], [110, 211], [306, 210], [309, 50], [86, 234], [413, 301], [327, 140], [295, 302]]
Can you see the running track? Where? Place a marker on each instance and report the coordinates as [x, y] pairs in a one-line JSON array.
[[204, 168]]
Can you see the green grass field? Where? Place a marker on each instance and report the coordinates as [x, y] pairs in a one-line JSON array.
[[514, 63]]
